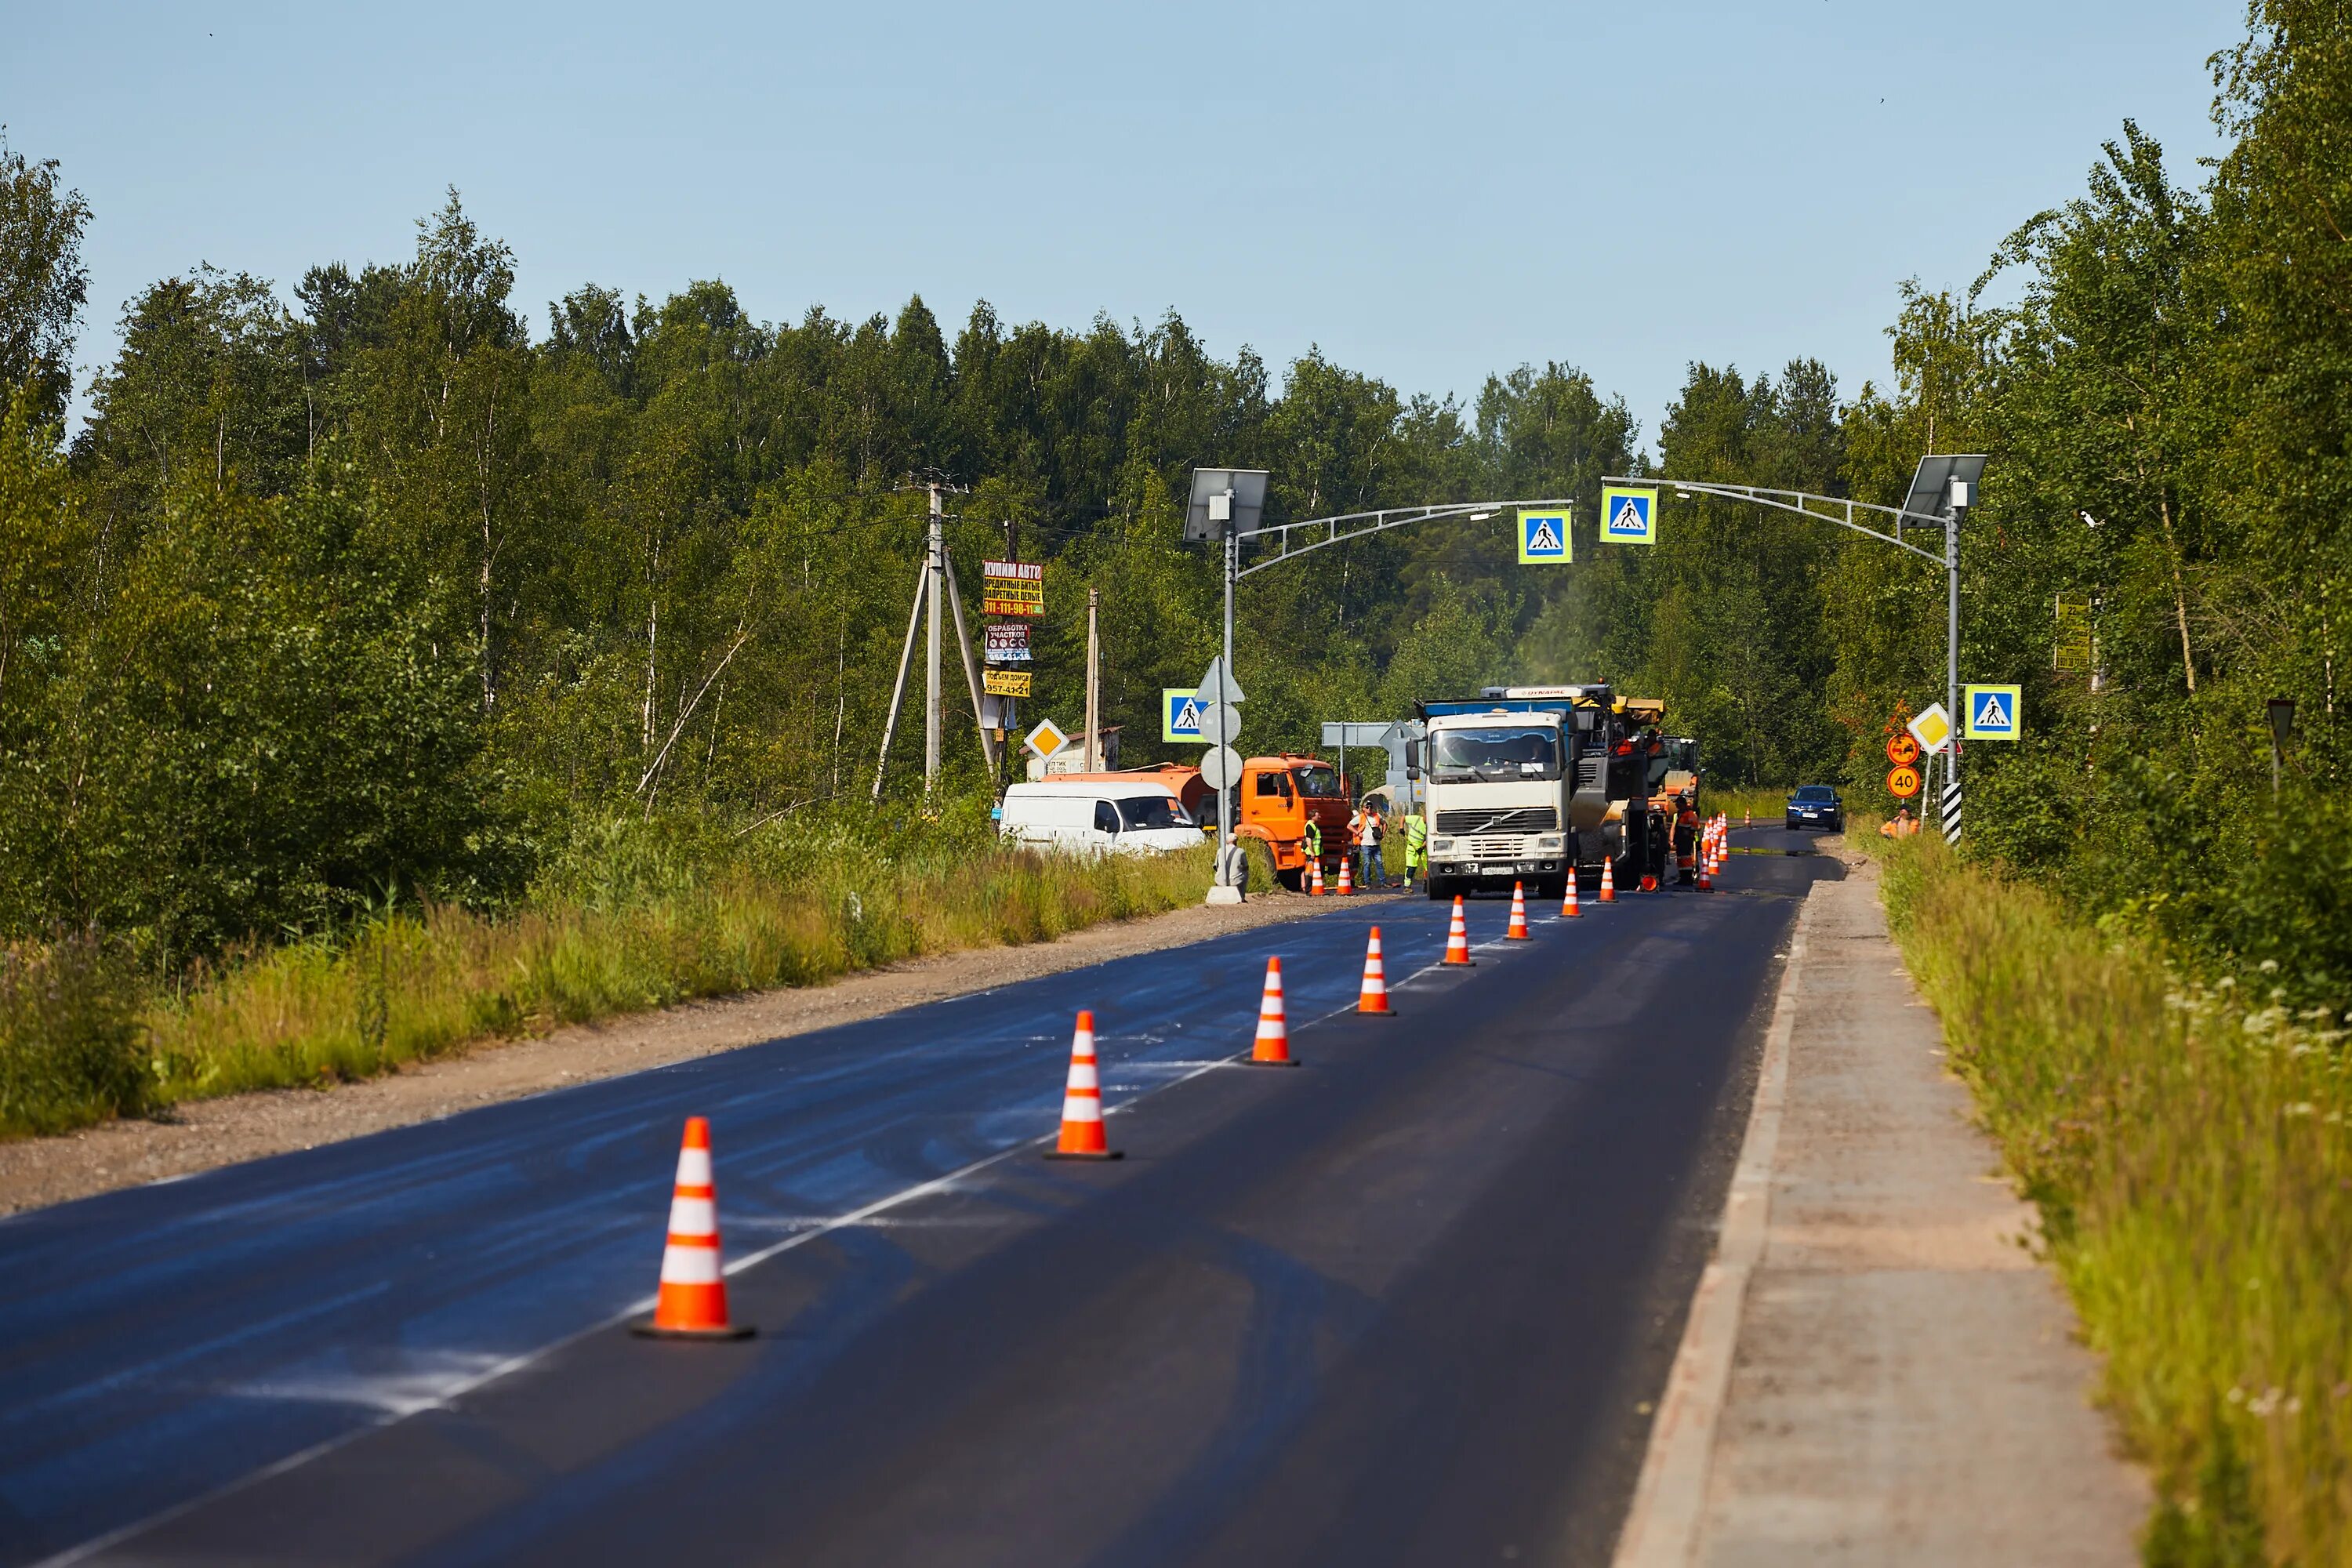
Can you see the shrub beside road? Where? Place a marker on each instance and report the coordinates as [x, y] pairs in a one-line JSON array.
[[2187, 1144]]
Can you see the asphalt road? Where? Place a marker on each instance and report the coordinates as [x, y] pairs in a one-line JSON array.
[[1402, 1304]]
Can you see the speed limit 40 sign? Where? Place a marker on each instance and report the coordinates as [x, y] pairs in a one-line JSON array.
[[1903, 782]]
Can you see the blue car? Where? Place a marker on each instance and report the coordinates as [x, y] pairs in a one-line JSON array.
[[1816, 805]]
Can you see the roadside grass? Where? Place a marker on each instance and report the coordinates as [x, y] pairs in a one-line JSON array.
[[71, 1049], [2188, 1146], [632, 920]]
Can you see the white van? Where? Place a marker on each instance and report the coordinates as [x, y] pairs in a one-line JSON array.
[[1098, 814]]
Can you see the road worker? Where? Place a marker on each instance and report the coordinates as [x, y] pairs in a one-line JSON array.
[[1368, 845], [1902, 825], [1314, 851], [1416, 848]]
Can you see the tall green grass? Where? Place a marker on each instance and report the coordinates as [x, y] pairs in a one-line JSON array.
[[71, 1049], [2187, 1145], [630, 916]]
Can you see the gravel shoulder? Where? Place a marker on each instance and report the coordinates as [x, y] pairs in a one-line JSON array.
[[202, 1134]]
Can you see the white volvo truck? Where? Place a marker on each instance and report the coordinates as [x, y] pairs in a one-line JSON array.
[[1498, 775]]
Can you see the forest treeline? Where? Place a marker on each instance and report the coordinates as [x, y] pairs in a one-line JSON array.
[[374, 584]]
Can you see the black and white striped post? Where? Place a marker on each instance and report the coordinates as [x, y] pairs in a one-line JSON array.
[[1951, 810]]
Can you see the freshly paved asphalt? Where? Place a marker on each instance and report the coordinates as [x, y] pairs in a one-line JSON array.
[[1402, 1304]]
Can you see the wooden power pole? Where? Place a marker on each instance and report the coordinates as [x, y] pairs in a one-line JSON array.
[[1093, 683]]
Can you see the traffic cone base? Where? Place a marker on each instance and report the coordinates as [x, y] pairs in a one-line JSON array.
[[692, 1302], [1083, 1137]]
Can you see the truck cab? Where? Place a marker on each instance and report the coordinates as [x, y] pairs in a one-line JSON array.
[[1498, 778], [1277, 797]]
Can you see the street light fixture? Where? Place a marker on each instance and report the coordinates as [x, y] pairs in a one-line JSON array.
[[2282, 715]]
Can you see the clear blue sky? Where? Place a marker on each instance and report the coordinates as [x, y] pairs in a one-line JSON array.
[[1428, 192]]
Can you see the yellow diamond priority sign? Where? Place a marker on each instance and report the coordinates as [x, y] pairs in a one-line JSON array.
[[1046, 739], [1933, 729]]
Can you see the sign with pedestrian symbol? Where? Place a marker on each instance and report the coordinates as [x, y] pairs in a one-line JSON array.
[[1544, 539], [1629, 515], [1932, 729], [1993, 714], [1180, 713]]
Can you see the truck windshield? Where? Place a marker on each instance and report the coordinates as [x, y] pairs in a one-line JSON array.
[[1456, 755], [1316, 782], [1151, 811]]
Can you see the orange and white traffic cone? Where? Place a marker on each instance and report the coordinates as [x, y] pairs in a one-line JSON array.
[[1567, 907], [692, 1304], [1607, 881], [1315, 878], [1517, 929], [1374, 996], [1707, 866], [1457, 938], [1345, 886], [1083, 1135], [1273, 1047]]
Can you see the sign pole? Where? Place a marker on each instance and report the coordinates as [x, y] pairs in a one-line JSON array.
[[1225, 877], [1952, 516]]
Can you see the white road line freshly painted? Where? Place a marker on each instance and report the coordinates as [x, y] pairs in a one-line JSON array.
[[1661, 1526]]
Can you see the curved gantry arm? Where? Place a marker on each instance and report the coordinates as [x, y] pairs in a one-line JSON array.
[[1358, 525], [1796, 501]]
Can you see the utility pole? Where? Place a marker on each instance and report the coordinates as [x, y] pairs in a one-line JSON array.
[[1012, 704], [933, 713], [1094, 682], [932, 582]]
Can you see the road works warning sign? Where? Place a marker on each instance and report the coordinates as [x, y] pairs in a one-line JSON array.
[[1543, 538], [1181, 714], [1629, 515], [1992, 713]]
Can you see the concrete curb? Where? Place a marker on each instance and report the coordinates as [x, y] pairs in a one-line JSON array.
[[1661, 1526]]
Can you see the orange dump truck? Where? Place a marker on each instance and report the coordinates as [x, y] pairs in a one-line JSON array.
[[1278, 796]]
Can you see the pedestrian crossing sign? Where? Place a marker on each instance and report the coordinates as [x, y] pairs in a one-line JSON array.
[[1992, 713], [1629, 515], [1182, 714], [1543, 537]]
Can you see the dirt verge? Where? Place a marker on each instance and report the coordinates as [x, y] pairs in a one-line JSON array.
[[201, 1134]]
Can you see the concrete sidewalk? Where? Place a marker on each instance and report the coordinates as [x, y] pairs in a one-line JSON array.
[[1874, 1370]]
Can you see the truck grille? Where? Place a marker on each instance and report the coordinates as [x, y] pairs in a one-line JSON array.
[[1525, 819], [1497, 849]]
